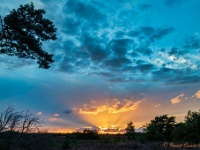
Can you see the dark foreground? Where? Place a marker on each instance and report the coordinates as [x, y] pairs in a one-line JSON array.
[[115, 142], [80, 141]]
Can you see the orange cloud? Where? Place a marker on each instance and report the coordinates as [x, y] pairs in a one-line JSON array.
[[123, 106], [177, 99], [116, 107], [197, 94], [86, 109]]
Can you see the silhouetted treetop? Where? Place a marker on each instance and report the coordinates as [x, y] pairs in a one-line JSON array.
[[130, 128], [22, 33], [160, 127]]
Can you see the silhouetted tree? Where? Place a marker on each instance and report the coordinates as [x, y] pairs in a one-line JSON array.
[[22, 33], [23, 122], [192, 123], [130, 130], [29, 123], [179, 133], [189, 131], [15, 129], [9, 119], [160, 128]]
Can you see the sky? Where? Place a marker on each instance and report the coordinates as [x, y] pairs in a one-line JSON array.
[[116, 61]]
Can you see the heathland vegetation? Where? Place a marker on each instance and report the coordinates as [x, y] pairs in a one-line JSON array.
[[22, 131]]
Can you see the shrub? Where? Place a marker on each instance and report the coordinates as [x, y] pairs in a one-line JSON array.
[[66, 144]]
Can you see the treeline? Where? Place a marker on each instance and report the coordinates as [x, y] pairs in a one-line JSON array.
[[21, 130], [160, 129], [165, 128]]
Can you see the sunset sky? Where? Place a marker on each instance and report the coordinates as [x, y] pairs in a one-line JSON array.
[[116, 61]]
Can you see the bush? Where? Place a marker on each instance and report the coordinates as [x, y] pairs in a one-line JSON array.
[[66, 145], [37, 141], [142, 138]]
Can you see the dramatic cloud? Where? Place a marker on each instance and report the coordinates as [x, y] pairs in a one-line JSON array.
[[92, 40], [109, 49], [116, 107], [177, 99]]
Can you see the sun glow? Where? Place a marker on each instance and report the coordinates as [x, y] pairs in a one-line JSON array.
[[109, 116], [105, 122], [103, 119]]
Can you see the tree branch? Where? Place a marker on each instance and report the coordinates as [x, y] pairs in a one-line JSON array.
[[5, 118]]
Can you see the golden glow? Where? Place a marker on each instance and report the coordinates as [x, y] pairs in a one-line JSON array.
[[59, 130], [113, 116], [107, 122], [108, 116]]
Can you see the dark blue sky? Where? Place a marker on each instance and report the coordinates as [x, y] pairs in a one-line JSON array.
[[133, 58]]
